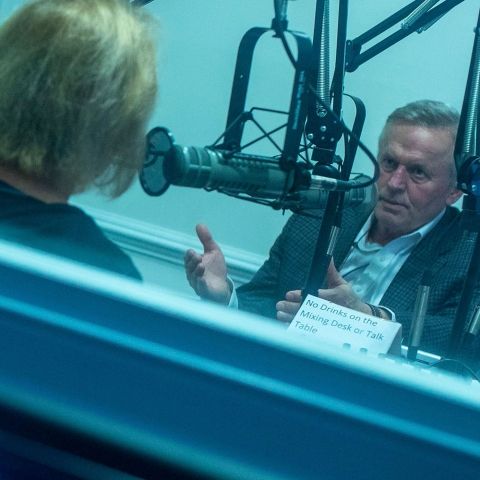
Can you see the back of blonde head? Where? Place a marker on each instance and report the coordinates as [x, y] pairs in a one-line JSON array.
[[77, 85]]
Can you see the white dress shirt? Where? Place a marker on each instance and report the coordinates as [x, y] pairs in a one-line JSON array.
[[370, 267]]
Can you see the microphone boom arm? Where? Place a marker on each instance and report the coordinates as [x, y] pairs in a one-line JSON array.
[[355, 57]]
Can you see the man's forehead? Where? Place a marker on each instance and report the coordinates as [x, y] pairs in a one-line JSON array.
[[417, 138]]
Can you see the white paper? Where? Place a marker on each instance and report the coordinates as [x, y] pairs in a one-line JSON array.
[[345, 327]]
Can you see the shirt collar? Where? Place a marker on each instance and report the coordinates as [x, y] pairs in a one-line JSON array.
[[414, 236]]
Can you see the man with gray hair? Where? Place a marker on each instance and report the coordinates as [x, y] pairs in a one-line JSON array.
[[383, 249]]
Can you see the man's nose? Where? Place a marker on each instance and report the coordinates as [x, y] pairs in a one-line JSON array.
[[398, 178]]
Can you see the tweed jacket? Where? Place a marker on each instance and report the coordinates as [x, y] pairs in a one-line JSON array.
[[446, 249]]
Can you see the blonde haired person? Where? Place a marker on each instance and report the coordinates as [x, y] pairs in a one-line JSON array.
[[77, 85]]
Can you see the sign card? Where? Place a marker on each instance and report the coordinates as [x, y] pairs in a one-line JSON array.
[[337, 325]]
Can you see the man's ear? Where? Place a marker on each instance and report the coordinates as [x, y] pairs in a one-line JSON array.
[[453, 196]]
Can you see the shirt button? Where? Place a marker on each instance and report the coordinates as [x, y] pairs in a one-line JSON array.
[[360, 291]]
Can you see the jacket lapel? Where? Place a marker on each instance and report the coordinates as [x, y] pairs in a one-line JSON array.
[[430, 252]]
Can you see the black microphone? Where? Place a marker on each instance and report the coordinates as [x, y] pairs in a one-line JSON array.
[[467, 144], [259, 177], [467, 161], [316, 196]]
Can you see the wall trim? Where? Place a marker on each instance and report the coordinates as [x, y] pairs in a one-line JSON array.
[[167, 245]]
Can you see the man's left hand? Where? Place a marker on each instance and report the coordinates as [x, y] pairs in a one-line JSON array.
[[339, 291], [286, 309]]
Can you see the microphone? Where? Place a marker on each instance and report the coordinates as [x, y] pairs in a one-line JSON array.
[[316, 196], [467, 162], [419, 314], [238, 173], [217, 170], [467, 144]]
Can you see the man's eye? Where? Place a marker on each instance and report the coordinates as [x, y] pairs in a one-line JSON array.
[[388, 164], [418, 174]]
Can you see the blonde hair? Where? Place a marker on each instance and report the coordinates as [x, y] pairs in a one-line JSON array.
[[77, 86]]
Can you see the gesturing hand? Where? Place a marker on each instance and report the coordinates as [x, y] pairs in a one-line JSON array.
[[339, 291], [207, 272]]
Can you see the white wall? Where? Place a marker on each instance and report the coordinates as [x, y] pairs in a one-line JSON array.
[[198, 40], [198, 44]]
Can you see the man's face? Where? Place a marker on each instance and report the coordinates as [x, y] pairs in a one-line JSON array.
[[416, 170]]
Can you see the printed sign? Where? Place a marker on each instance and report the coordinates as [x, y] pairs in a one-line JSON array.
[[345, 327]]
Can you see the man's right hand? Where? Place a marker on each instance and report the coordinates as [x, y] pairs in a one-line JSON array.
[[207, 273], [288, 308]]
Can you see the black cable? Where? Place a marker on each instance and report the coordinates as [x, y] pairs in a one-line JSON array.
[[365, 149]]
